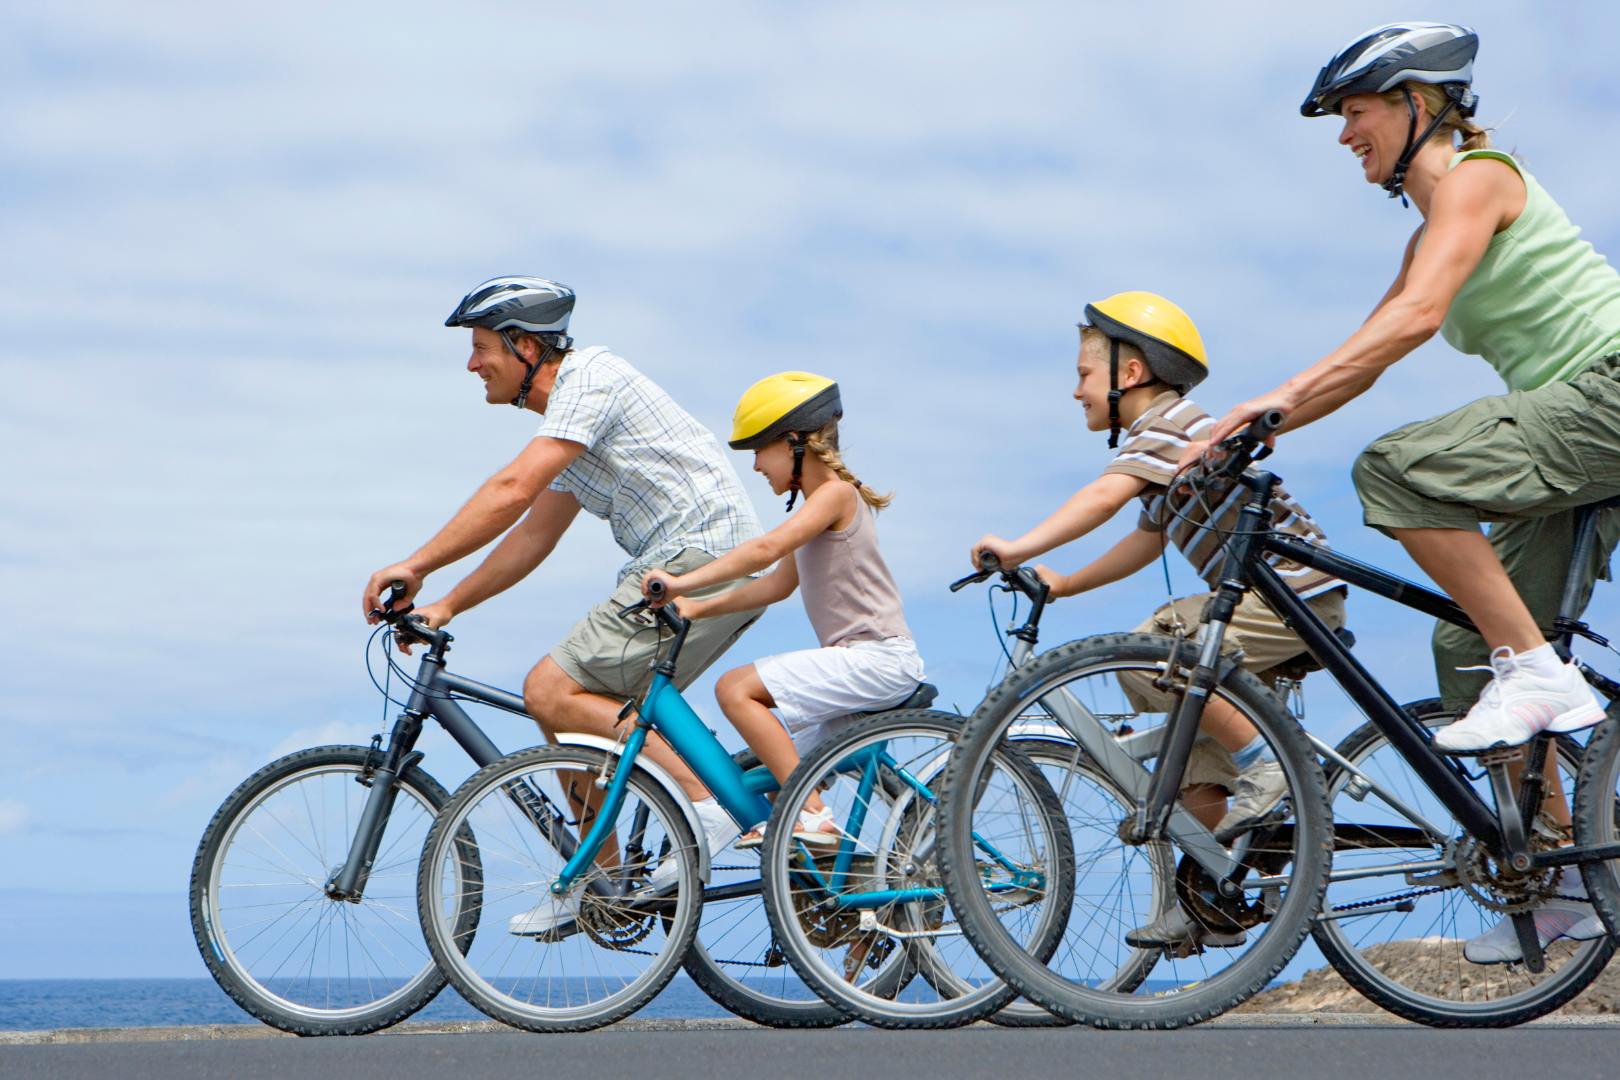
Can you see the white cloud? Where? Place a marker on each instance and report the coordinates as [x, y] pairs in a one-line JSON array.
[[14, 816]]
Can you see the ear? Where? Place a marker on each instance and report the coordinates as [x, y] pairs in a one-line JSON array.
[[1135, 373]]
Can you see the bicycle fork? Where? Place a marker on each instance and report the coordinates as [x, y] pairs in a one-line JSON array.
[[348, 881]]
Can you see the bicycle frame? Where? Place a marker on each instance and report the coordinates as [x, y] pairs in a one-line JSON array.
[[431, 697], [1245, 568]]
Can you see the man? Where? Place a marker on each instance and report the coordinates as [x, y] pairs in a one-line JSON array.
[[614, 443]]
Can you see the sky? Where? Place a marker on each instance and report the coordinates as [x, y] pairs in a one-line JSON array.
[[233, 237]]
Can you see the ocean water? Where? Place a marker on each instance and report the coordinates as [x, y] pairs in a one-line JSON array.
[[45, 1004]]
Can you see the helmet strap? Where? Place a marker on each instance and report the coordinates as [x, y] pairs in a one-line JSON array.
[[796, 443], [1114, 393], [1396, 184], [530, 370]]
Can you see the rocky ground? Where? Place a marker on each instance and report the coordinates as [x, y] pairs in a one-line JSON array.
[[1434, 967]]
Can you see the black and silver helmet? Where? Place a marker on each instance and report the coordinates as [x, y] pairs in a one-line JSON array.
[[1389, 56], [1386, 56], [513, 302], [530, 304]]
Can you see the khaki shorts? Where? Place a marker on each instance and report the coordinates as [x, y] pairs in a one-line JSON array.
[[1265, 642], [1523, 462], [613, 656]]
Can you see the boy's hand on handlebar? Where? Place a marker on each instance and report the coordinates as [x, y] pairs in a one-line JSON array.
[[377, 589], [991, 544], [1058, 583]]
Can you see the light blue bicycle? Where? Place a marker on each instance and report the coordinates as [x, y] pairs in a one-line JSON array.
[[571, 942]]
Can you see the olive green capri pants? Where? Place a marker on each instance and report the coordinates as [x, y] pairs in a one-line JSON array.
[[1255, 630], [1523, 462]]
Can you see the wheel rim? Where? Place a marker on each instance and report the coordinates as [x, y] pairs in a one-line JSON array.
[[894, 849], [287, 940], [622, 950], [1117, 885], [1388, 948]]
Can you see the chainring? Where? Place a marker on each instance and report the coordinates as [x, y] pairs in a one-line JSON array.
[[1199, 894], [1505, 893], [606, 921]]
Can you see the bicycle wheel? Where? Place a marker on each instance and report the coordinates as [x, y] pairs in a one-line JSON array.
[[613, 941], [1398, 936], [1597, 817], [735, 958], [1260, 910], [861, 920], [271, 937]]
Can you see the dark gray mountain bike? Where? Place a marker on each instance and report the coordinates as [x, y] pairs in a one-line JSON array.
[[1421, 851]]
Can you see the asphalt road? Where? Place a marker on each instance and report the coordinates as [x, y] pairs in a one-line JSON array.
[[1373, 1052]]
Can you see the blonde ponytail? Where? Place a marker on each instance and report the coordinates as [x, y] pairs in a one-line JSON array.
[[824, 444], [1462, 132]]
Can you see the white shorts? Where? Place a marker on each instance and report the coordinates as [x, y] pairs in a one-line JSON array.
[[813, 686]]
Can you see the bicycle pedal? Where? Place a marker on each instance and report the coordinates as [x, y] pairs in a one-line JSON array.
[[1499, 755]]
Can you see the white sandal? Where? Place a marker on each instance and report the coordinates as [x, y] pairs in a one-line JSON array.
[[808, 830]]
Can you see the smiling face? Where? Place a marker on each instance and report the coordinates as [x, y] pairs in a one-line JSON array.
[[503, 373], [1375, 130], [1092, 367], [774, 462], [494, 363]]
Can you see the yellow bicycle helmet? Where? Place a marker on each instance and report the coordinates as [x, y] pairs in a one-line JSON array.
[[1166, 335], [790, 405]]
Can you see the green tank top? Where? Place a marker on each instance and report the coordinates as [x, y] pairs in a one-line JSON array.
[[1542, 303]]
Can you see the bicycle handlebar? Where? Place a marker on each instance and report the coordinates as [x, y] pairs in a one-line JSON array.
[[1019, 578], [404, 623], [1241, 449]]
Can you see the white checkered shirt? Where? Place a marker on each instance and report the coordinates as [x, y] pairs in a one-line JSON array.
[[657, 476]]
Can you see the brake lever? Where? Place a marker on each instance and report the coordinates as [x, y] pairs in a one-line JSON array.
[[971, 579], [634, 609]]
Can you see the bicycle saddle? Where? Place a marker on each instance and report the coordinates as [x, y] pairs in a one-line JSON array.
[[920, 698]]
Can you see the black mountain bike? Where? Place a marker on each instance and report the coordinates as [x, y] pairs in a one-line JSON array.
[[1421, 851]]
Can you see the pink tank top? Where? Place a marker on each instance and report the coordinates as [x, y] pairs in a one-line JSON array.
[[848, 591]]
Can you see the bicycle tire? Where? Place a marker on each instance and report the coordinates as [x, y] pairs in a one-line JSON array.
[[879, 1003], [1195, 1000], [1378, 984], [454, 950], [734, 994], [223, 956], [1597, 820]]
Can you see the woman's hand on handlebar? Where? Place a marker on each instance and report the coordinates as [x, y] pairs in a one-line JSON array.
[[990, 544], [1241, 416]]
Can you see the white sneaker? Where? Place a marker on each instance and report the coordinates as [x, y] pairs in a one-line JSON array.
[[1517, 706], [550, 916], [718, 832], [1557, 918]]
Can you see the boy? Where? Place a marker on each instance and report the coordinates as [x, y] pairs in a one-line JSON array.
[[1139, 356]]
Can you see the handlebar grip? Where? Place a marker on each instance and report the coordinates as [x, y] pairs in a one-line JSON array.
[[989, 562], [655, 590], [1266, 424]]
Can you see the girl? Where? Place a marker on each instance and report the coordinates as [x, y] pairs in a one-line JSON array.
[[867, 660]]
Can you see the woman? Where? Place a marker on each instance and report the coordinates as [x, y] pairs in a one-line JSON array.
[[1498, 269]]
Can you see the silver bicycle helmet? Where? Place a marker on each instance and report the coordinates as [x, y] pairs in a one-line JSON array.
[[1387, 56], [531, 304]]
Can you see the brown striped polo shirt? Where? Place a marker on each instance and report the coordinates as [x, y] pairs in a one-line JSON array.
[[1151, 451]]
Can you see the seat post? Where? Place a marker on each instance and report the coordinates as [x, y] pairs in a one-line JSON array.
[[1586, 523]]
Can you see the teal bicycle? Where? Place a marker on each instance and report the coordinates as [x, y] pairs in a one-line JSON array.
[[593, 880]]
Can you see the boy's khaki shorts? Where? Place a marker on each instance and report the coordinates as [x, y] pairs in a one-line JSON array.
[[1265, 642], [1523, 462], [613, 656]]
